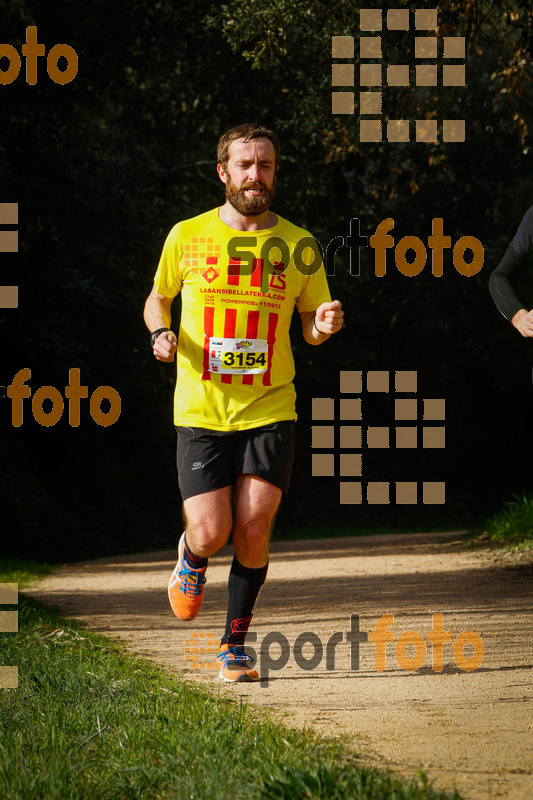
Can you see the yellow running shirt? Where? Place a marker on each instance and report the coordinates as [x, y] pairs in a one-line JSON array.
[[234, 359]]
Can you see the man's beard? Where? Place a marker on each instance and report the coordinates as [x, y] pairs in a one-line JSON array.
[[250, 206]]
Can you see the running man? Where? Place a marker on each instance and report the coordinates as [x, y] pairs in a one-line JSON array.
[[234, 403], [500, 286]]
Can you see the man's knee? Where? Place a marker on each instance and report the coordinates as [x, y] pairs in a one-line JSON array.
[[251, 539], [207, 524], [204, 538]]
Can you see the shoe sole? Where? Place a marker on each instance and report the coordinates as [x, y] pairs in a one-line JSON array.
[[241, 679]]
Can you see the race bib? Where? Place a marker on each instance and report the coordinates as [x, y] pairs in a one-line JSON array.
[[238, 356]]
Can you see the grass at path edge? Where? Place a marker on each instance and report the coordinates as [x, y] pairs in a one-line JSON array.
[[89, 720], [511, 526]]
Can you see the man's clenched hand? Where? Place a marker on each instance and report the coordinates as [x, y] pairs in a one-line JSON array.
[[165, 346], [523, 322], [329, 317]]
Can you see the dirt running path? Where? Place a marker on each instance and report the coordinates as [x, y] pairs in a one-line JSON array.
[[466, 729]]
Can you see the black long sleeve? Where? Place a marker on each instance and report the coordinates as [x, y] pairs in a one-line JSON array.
[[500, 285]]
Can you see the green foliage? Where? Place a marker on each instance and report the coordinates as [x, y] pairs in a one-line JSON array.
[[336, 782], [514, 522], [294, 38], [17, 570]]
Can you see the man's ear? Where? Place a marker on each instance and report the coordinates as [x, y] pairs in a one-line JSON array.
[[221, 173]]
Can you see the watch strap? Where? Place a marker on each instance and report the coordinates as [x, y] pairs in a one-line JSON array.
[[155, 334]]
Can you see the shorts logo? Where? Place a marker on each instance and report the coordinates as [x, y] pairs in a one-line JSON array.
[[240, 345], [197, 465], [211, 274]]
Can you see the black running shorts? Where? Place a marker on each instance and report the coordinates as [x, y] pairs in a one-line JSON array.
[[209, 460]]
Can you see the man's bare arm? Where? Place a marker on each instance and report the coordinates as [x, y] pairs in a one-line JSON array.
[[157, 314], [317, 326]]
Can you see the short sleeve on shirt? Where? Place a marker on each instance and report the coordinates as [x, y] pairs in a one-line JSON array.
[[315, 289], [523, 238], [168, 278]]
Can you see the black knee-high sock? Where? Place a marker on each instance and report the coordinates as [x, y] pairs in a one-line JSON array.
[[194, 561], [244, 584]]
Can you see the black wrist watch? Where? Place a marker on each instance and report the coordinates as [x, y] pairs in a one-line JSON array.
[[155, 334]]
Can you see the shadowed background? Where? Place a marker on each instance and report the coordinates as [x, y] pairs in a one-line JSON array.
[[101, 169]]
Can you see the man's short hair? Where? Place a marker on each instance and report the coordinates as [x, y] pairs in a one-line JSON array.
[[246, 131]]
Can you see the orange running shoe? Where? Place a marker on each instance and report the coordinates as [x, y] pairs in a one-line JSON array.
[[186, 587], [233, 662]]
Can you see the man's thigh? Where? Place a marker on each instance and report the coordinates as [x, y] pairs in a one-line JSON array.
[[254, 499]]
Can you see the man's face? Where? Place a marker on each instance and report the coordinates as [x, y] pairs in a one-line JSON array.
[[250, 176]]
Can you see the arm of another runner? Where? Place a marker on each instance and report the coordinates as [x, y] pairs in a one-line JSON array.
[[500, 285], [504, 296], [523, 322], [317, 326], [157, 315]]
